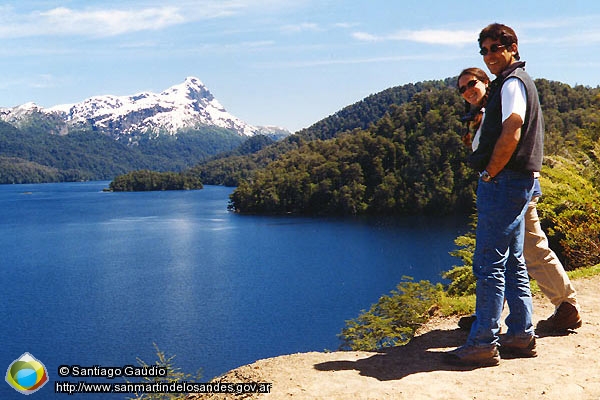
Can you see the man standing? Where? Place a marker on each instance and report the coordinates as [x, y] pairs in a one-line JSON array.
[[510, 151]]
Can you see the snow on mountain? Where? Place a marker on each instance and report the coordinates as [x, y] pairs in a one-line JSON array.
[[187, 105], [19, 112], [184, 106]]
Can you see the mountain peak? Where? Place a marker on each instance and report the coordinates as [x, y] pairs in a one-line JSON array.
[[192, 81], [186, 105], [192, 88]]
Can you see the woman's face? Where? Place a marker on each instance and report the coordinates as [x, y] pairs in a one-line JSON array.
[[472, 89]]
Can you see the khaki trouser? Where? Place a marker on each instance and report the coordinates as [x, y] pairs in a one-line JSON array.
[[542, 263]]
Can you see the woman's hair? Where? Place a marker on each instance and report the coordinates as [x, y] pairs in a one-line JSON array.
[[476, 72]]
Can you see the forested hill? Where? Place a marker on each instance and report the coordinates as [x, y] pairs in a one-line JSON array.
[[369, 110], [32, 154], [411, 160], [231, 169]]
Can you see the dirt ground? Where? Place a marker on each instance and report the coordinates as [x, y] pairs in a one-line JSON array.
[[567, 366]]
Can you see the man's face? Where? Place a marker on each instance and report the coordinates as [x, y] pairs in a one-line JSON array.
[[497, 60]]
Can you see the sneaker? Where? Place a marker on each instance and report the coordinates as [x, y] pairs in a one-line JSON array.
[[483, 356], [565, 317], [518, 346], [466, 322]]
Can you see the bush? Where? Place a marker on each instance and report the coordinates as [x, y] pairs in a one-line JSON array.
[[393, 320], [581, 235], [569, 212], [174, 374], [462, 280]]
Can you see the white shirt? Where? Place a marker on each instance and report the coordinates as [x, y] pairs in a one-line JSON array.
[[514, 101]]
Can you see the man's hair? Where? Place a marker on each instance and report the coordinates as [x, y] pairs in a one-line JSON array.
[[505, 34]]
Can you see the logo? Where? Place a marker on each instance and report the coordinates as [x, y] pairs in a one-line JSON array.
[[26, 374]]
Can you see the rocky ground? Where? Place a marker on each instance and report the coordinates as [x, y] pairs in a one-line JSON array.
[[567, 366]]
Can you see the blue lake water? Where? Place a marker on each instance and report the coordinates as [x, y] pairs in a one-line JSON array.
[[96, 278]]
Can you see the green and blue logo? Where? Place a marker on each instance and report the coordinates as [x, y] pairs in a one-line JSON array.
[[26, 374]]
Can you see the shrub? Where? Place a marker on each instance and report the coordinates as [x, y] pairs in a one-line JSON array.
[[174, 374], [393, 320]]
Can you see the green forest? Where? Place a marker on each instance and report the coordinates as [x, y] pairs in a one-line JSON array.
[[145, 180], [35, 154]]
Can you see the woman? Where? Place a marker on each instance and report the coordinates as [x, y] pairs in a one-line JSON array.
[[542, 263], [473, 85]]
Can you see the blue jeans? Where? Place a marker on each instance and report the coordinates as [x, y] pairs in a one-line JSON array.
[[498, 262]]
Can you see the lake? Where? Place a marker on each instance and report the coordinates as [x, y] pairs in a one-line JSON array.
[[96, 278]]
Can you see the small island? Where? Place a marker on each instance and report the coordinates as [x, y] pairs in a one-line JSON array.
[[145, 181]]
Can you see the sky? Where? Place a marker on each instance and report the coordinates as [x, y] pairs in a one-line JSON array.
[[288, 63]]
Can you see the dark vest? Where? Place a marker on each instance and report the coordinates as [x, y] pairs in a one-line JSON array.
[[530, 150]]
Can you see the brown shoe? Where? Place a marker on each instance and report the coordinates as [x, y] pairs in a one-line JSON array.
[[517, 346], [565, 317], [482, 356]]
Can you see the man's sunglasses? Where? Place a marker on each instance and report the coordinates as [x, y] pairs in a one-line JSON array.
[[493, 48], [471, 84]]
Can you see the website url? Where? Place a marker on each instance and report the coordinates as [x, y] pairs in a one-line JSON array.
[[72, 387]]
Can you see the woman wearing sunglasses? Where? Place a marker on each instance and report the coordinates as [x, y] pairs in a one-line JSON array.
[[542, 263], [473, 85]]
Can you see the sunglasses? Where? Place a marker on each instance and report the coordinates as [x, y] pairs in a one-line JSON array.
[[493, 48], [471, 84]]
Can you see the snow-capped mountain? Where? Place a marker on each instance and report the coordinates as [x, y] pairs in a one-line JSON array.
[[184, 106]]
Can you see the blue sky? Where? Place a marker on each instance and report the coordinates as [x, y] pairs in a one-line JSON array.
[[276, 62]]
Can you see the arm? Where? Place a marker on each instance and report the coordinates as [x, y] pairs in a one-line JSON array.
[[506, 144], [513, 115]]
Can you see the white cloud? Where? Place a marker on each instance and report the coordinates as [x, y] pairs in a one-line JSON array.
[[111, 21], [43, 81], [345, 25], [302, 27], [40, 81], [429, 36], [367, 37], [365, 60], [105, 22]]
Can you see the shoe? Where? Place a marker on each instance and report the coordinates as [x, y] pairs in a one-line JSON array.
[[465, 323], [483, 356], [518, 346], [565, 317]]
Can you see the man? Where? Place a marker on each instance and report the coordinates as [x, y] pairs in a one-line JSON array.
[[510, 151]]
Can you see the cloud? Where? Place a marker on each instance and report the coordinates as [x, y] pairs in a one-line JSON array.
[[367, 37], [345, 25], [465, 37], [302, 27], [429, 36], [106, 22], [103, 22], [40, 81], [353, 61], [109, 22]]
